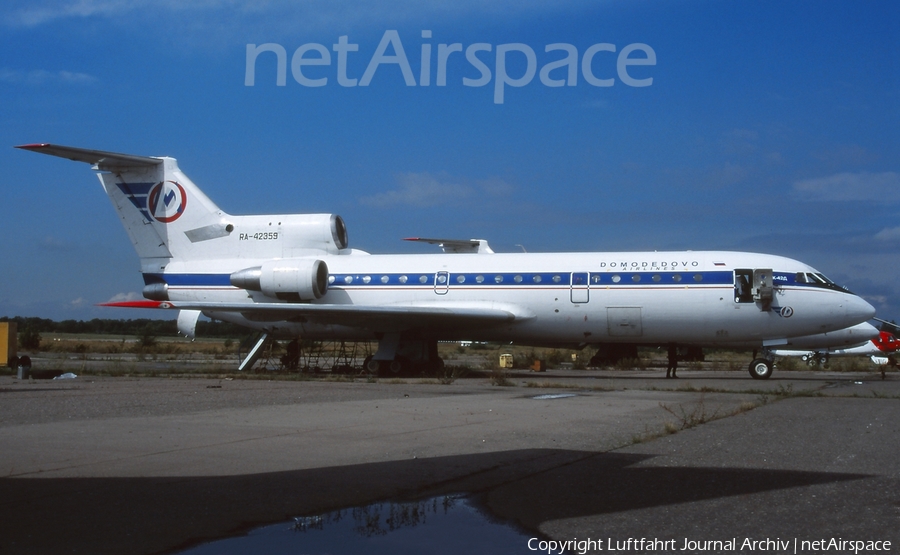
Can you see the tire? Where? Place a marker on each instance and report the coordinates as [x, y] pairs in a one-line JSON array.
[[400, 366], [760, 369], [371, 366]]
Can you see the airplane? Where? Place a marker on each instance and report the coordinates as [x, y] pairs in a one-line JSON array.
[[879, 347], [293, 275]]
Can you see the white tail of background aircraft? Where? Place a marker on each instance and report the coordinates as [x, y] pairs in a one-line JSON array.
[[295, 275]]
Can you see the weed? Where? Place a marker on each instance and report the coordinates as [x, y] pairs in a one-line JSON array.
[[449, 374], [500, 376], [789, 364], [695, 416], [544, 385], [631, 364]]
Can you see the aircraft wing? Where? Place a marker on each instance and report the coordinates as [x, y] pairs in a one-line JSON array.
[[380, 318]]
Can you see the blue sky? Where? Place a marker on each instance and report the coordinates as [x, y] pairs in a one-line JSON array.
[[768, 126]]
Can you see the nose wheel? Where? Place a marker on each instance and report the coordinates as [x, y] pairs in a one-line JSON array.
[[760, 369]]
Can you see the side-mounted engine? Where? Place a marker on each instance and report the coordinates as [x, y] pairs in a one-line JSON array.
[[291, 279]]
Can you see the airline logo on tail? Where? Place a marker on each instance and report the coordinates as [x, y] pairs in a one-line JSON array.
[[167, 201], [164, 202]]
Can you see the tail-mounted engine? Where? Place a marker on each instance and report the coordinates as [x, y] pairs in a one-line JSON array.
[[290, 279], [306, 232]]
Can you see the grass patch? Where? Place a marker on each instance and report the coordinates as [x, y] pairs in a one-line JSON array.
[[551, 385]]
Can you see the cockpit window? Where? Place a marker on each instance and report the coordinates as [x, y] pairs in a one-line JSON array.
[[819, 280]]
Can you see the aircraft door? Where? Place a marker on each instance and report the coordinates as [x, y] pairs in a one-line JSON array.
[[441, 283], [580, 288], [754, 285]]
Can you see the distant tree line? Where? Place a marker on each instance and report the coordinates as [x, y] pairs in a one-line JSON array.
[[139, 327]]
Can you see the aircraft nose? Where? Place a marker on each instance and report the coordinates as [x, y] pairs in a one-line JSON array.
[[858, 309]]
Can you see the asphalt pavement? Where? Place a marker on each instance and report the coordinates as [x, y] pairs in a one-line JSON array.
[[151, 465]]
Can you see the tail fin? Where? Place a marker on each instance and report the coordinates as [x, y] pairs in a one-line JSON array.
[[166, 216]]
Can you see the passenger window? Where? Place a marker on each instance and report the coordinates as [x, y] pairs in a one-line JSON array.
[[676, 278], [498, 279], [402, 279], [479, 279], [698, 277], [557, 279], [536, 279], [636, 278], [460, 278], [656, 277], [517, 279], [385, 279], [423, 279], [616, 278]]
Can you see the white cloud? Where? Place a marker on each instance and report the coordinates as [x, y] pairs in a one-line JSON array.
[[425, 190], [124, 297], [34, 14], [54, 244], [888, 234], [847, 186], [41, 77], [288, 14]]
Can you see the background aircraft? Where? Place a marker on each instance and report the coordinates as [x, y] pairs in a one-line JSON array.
[[295, 275], [878, 348]]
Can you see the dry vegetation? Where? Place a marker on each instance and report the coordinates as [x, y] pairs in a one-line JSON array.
[[148, 355]]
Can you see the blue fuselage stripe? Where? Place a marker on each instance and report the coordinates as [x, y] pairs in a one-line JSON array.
[[495, 279]]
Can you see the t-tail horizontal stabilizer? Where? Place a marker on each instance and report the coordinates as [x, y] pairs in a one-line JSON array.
[[102, 159]]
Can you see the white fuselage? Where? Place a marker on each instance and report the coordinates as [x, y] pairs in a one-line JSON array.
[[559, 298]]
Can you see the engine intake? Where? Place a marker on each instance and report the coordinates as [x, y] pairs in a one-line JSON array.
[[289, 279]]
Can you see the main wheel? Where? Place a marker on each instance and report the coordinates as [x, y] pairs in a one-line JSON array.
[[402, 366], [371, 366], [760, 369]]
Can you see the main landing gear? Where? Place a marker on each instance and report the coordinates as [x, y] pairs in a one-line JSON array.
[[761, 369], [404, 356]]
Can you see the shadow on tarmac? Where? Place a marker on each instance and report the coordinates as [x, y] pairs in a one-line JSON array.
[[162, 514]]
